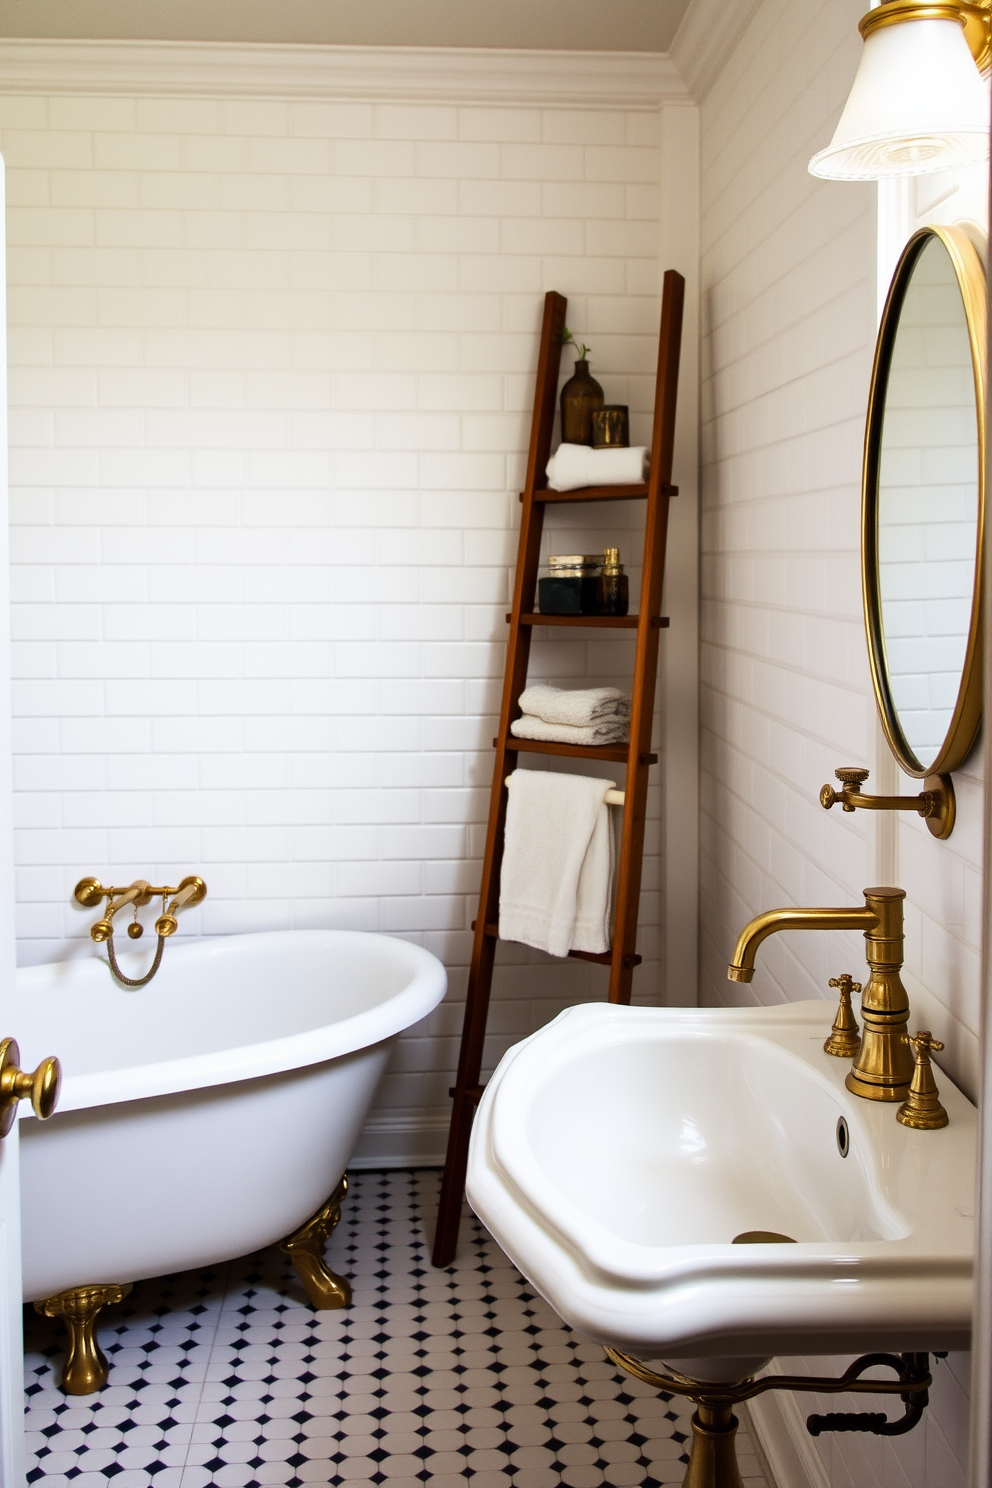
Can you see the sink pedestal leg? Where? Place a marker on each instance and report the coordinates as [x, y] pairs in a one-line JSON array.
[[713, 1460]]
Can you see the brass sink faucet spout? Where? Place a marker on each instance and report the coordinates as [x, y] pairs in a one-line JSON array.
[[883, 1068]]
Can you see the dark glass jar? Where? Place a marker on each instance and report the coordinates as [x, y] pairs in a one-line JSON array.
[[570, 587], [612, 590], [580, 397]]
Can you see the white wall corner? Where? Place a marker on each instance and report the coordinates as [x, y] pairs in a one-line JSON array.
[[639, 80], [707, 35], [679, 249]]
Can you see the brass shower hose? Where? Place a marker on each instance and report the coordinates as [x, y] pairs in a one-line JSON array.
[[133, 981]]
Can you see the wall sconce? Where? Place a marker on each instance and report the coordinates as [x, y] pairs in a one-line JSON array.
[[918, 102]]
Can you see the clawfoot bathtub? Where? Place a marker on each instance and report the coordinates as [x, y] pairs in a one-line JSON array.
[[211, 1113]]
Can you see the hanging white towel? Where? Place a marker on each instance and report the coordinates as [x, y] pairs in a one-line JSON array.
[[578, 707], [606, 731], [575, 465], [556, 883]]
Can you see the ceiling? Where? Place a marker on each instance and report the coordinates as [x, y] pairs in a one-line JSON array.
[[556, 25]]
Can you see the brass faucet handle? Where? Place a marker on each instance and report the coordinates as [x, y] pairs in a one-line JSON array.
[[922, 1109], [846, 983], [845, 1038], [41, 1086], [922, 1043]]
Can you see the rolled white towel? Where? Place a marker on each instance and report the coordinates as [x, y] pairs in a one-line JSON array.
[[573, 466], [578, 707], [607, 731]]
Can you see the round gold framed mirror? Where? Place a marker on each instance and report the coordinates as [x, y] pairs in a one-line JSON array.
[[923, 504]]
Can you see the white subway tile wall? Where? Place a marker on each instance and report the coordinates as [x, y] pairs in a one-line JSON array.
[[271, 367], [788, 289]]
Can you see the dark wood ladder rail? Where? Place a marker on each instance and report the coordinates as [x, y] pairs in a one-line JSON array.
[[636, 755]]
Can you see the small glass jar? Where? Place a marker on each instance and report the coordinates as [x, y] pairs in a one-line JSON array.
[[611, 426], [612, 590], [570, 585]]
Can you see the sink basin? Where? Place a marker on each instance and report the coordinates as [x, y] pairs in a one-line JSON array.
[[619, 1152]]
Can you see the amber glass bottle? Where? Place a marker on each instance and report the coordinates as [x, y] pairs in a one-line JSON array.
[[612, 597], [580, 397]]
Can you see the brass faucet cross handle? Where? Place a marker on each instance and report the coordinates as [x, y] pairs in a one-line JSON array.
[[935, 803], [845, 1039], [921, 1108]]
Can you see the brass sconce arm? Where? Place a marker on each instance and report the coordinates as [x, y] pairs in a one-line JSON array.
[[741, 969], [935, 803]]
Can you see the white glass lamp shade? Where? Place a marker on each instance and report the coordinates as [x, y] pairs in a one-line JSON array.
[[918, 103]]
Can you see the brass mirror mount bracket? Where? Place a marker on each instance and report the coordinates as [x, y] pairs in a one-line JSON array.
[[935, 803], [713, 1459]]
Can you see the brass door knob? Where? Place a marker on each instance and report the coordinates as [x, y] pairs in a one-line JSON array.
[[41, 1087]]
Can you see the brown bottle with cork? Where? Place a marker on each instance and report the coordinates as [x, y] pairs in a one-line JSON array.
[[612, 590]]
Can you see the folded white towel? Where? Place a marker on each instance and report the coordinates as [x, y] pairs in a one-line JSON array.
[[575, 465], [556, 883], [577, 706], [606, 731]]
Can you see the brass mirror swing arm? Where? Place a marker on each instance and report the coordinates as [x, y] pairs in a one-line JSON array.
[[935, 803]]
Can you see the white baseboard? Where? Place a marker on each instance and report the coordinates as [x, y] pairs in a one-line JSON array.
[[778, 1425], [401, 1142]]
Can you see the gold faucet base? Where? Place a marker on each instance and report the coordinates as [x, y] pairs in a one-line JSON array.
[[877, 1090], [326, 1291], [86, 1367]]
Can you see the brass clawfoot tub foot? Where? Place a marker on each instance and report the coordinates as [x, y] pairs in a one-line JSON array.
[[86, 1368], [305, 1247]]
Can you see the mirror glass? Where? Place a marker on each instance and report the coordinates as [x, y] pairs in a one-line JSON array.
[[927, 504]]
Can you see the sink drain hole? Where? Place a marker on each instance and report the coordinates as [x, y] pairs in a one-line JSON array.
[[843, 1137]]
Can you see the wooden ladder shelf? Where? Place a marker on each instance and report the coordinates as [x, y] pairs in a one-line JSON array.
[[636, 755]]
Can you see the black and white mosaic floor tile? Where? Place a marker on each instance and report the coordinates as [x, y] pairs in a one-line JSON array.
[[458, 1377]]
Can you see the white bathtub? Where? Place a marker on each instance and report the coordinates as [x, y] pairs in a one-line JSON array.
[[211, 1112]]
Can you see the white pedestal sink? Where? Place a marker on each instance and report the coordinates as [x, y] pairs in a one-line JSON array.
[[618, 1153]]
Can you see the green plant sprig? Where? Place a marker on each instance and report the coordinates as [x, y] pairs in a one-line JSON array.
[[581, 351]]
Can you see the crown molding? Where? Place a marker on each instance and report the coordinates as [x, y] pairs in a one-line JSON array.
[[598, 80], [707, 35]]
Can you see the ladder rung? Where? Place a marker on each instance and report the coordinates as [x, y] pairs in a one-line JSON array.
[[609, 622], [491, 930], [616, 755], [606, 959], [636, 492], [612, 798], [472, 1093]]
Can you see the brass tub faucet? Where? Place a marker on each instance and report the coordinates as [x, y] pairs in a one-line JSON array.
[[883, 1067], [90, 891]]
